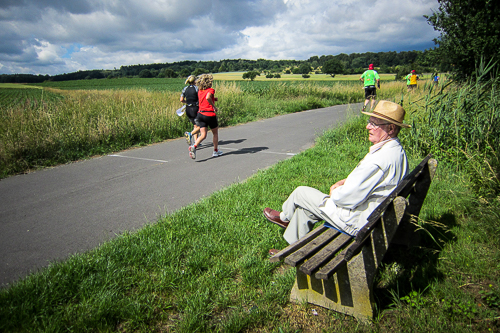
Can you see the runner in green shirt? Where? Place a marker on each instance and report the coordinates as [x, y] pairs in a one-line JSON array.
[[407, 77], [369, 78]]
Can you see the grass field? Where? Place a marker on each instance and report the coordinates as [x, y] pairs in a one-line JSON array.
[[234, 76], [67, 121], [16, 86], [237, 76], [205, 267]]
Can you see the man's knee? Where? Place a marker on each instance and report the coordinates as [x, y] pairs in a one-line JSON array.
[[300, 191]]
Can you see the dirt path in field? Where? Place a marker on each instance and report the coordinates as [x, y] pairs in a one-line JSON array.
[[50, 214]]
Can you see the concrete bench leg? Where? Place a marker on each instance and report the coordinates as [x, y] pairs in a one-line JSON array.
[[348, 291]]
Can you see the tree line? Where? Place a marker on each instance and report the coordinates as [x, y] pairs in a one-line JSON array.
[[355, 63], [469, 38]]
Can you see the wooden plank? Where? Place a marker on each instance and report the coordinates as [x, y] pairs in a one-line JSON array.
[[325, 254], [298, 244], [311, 248], [333, 265], [407, 234], [394, 217]]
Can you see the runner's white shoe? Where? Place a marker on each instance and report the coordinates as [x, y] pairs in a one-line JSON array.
[[217, 153], [192, 152]]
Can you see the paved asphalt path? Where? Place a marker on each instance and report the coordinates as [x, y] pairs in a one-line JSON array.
[[50, 214]]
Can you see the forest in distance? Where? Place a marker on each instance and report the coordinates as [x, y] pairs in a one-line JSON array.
[[354, 63]]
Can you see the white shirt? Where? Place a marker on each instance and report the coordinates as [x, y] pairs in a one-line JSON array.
[[373, 179]]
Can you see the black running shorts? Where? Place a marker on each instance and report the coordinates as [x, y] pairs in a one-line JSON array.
[[370, 92], [205, 121], [192, 112]]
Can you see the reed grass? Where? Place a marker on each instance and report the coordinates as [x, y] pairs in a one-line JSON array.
[[461, 123], [82, 124]]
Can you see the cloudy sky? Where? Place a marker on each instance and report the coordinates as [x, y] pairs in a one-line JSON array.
[[62, 36]]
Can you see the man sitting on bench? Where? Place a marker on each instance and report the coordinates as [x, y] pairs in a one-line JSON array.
[[353, 199]]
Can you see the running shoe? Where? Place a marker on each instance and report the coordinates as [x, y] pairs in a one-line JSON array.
[[217, 153], [192, 152], [188, 137]]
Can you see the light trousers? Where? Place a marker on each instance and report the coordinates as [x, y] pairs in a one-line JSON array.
[[302, 210]]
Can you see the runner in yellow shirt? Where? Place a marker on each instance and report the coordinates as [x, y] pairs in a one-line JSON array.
[[413, 81]]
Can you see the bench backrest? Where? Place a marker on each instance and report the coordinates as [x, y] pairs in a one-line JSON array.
[[396, 210], [416, 183], [323, 251]]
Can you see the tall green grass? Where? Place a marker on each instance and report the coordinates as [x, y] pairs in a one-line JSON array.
[[83, 123], [461, 123], [45, 130]]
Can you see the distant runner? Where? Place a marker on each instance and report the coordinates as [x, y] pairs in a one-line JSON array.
[[207, 116], [407, 77], [189, 96], [369, 78], [413, 81], [436, 79]]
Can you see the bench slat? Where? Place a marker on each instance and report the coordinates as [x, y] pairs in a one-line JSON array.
[[325, 254], [392, 220], [311, 248], [330, 268], [297, 245]]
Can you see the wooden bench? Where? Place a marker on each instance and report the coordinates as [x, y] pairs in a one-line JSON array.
[[336, 271]]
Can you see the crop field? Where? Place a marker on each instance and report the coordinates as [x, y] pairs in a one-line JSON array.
[[150, 85], [11, 95], [176, 85]]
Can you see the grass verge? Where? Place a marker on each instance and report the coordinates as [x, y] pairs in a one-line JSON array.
[[205, 267]]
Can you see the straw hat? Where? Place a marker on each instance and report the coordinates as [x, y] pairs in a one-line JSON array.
[[191, 79], [392, 112]]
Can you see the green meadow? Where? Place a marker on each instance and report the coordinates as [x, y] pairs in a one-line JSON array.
[[205, 267], [58, 122]]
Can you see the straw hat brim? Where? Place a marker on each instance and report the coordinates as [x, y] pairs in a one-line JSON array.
[[381, 116]]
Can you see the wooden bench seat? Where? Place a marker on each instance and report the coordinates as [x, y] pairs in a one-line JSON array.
[[335, 270]]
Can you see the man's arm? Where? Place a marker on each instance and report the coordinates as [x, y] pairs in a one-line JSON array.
[[337, 184], [358, 186]]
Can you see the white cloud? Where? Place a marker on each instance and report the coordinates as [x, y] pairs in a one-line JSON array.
[[35, 35], [48, 53]]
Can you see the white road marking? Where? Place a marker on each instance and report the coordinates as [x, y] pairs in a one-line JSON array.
[[139, 158]]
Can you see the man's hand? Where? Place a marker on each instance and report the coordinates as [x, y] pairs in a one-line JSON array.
[[337, 184]]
